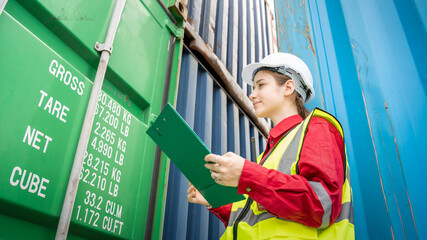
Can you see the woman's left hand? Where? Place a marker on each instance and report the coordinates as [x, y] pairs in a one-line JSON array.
[[225, 169]]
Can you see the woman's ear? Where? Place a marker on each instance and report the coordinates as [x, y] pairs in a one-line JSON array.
[[289, 87]]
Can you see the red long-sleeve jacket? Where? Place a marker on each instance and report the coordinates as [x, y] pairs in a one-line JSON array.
[[291, 196]]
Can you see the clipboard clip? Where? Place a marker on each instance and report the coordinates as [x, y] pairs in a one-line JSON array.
[[153, 118]]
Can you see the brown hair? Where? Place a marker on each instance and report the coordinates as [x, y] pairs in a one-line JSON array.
[[282, 79]]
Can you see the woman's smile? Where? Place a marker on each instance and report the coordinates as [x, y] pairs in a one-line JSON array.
[[255, 103]]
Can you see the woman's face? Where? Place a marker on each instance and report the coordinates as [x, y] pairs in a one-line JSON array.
[[267, 96]]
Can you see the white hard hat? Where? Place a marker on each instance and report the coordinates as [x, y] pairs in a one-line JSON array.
[[286, 64]]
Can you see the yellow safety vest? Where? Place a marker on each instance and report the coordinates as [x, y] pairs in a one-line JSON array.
[[248, 222]]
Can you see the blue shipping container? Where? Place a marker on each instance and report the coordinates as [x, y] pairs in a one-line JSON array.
[[367, 59]]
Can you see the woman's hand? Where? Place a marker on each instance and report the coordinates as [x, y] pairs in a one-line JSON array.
[[225, 169], [194, 196]]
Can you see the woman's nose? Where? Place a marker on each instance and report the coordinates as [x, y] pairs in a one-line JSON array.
[[252, 95]]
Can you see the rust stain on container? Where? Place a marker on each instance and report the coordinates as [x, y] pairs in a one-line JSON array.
[[401, 166], [306, 34], [307, 30], [391, 176], [377, 162], [358, 69], [280, 31]]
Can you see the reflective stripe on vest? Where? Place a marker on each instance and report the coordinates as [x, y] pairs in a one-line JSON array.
[[284, 157]]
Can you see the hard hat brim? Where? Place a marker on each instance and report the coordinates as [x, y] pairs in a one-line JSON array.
[[248, 71]]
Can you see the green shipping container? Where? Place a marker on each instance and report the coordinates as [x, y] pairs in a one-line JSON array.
[[48, 64]]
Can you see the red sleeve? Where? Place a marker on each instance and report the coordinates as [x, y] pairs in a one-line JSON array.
[[223, 213], [293, 196]]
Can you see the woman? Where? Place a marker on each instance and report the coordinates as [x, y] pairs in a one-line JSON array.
[[299, 187]]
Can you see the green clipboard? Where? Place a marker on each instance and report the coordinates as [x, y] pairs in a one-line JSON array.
[[187, 151]]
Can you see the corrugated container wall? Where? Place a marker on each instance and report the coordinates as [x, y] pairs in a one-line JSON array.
[[368, 61], [221, 37]]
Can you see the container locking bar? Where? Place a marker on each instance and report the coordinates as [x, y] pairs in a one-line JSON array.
[[73, 183]]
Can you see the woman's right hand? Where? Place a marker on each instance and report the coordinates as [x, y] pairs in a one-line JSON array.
[[194, 196]]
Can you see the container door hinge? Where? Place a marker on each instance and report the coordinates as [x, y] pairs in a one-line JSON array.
[[179, 9], [2, 5], [103, 47], [176, 31]]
